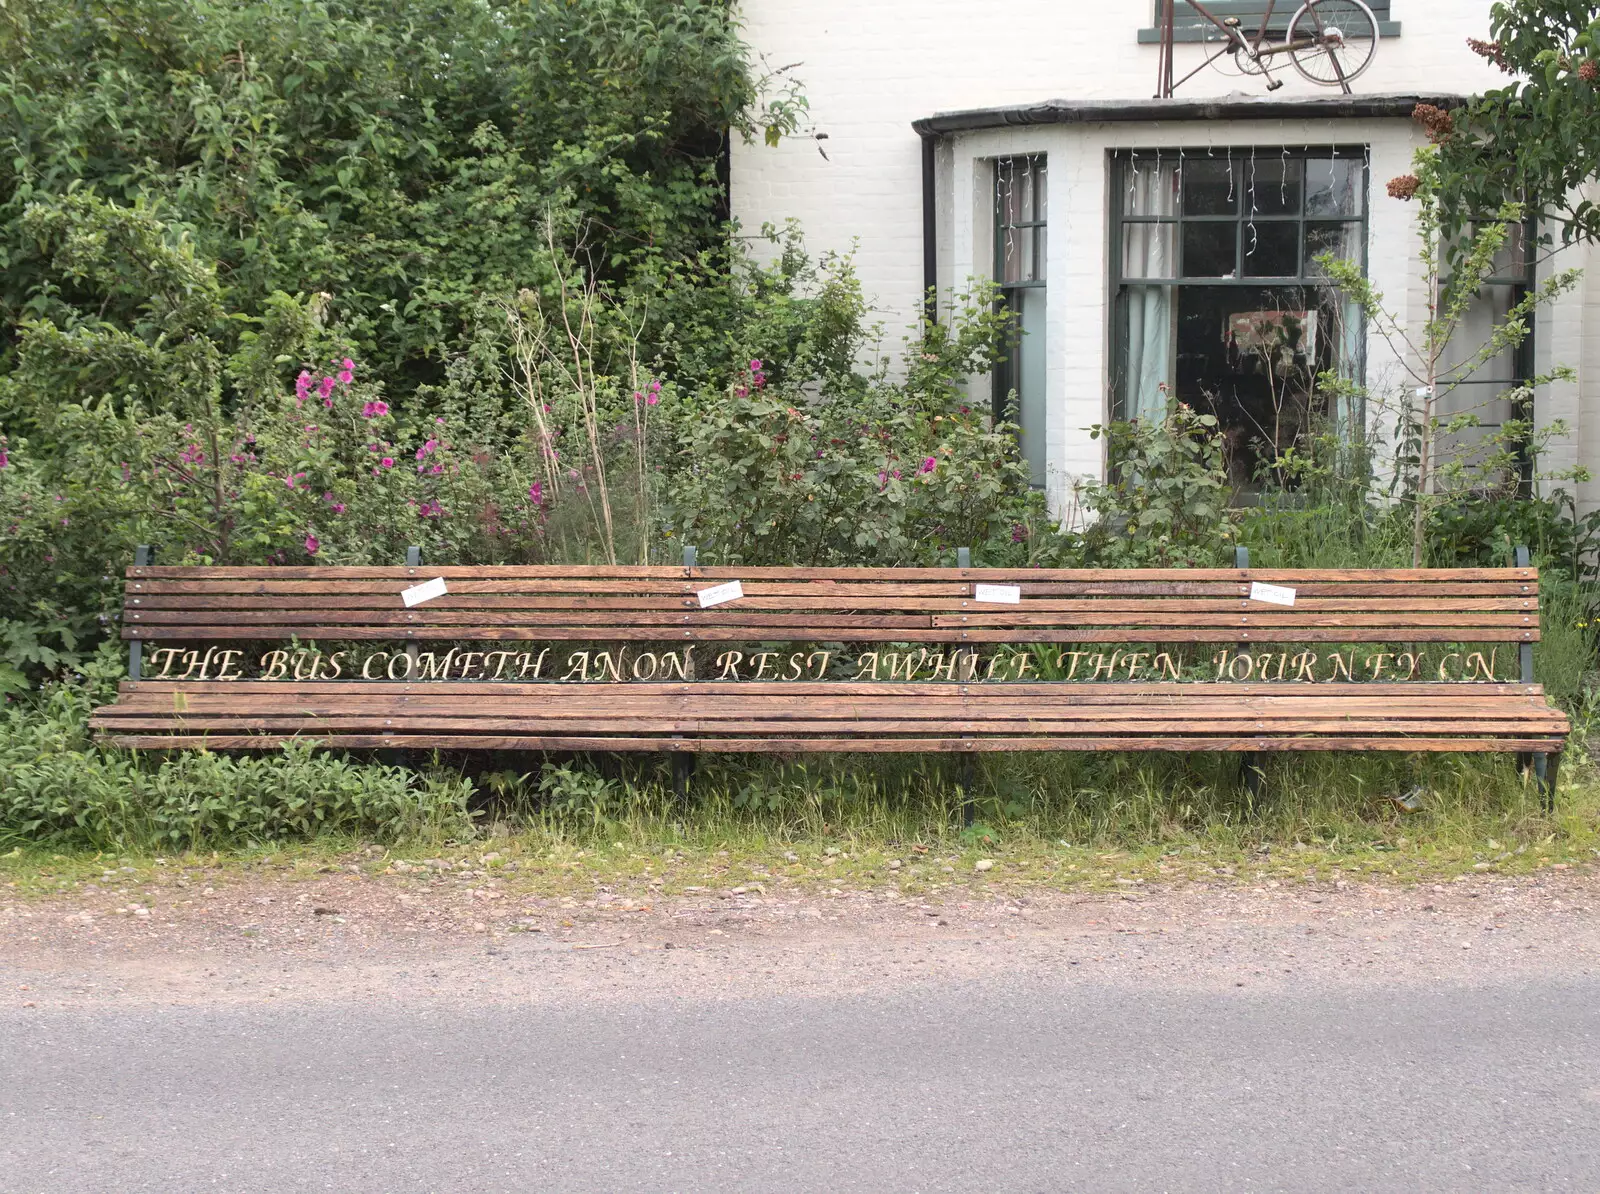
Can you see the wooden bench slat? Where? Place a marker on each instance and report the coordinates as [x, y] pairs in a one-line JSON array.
[[812, 634], [742, 690], [851, 745], [1025, 617], [975, 727], [545, 572]]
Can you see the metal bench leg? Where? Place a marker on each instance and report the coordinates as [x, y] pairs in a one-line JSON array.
[[968, 781], [682, 770], [1545, 768], [1250, 773]]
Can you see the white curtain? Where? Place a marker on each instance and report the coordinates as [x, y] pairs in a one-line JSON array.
[[1148, 251]]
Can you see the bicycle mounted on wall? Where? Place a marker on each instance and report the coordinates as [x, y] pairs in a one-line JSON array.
[[1329, 42]]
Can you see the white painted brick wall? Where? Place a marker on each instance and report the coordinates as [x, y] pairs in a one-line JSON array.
[[870, 69]]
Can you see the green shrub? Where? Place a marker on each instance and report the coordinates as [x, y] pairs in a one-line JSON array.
[[1165, 503], [56, 785]]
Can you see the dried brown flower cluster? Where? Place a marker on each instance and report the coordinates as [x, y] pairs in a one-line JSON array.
[[1435, 120], [1490, 50], [1589, 70], [1404, 186]]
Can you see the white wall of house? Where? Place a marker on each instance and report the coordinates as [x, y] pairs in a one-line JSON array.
[[870, 70]]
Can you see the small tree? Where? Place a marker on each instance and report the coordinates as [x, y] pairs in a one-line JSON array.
[[1432, 466], [1537, 139]]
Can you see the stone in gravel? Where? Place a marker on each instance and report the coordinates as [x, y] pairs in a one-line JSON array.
[[984, 864]]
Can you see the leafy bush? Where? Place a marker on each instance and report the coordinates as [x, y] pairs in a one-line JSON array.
[[1166, 502], [402, 162], [818, 464], [56, 785]]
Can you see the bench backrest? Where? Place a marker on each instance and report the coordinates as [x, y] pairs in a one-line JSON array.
[[913, 605]]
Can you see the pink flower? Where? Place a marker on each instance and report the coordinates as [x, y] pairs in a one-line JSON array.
[[325, 387], [654, 399], [346, 377], [1018, 533], [439, 420], [347, 364], [928, 465], [741, 391], [438, 468], [387, 462], [302, 384], [536, 493], [427, 449], [755, 366], [374, 410], [5, 461], [312, 544]]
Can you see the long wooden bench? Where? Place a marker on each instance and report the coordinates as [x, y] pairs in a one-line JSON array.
[[561, 658]]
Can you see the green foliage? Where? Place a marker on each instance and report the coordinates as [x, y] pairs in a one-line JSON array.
[[817, 463], [56, 785], [579, 795], [1537, 137], [402, 162], [1166, 504], [1435, 462]]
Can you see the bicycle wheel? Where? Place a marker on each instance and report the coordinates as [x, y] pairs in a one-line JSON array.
[[1340, 36]]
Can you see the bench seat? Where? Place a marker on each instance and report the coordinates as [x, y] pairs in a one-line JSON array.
[[838, 716]]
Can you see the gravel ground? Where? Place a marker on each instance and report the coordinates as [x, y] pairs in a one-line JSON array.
[[435, 935]]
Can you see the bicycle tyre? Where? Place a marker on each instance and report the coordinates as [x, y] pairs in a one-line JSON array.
[[1327, 64]]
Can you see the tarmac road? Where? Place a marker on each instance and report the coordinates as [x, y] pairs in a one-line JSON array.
[[812, 1061]]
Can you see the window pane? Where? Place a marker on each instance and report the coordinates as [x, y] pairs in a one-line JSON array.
[[1272, 249], [1211, 187], [1275, 186], [1208, 249], [1511, 261], [1335, 186], [1030, 381], [1342, 240], [1145, 354], [1480, 394], [1039, 179], [1150, 187], [1250, 355], [1147, 251], [1016, 255]]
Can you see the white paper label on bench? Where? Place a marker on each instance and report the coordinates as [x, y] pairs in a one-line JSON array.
[[720, 594], [426, 591], [1272, 594], [998, 594]]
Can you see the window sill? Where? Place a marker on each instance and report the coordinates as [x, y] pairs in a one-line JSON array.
[[1150, 37]]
